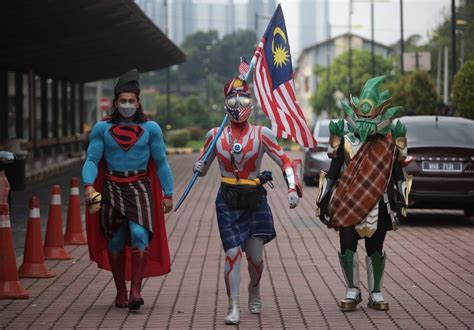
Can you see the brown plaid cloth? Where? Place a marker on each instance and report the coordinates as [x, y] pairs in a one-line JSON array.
[[363, 183], [126, 201]]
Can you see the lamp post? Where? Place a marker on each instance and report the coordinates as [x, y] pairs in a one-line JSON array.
[[349, 81], [372, 43], [453, 37], [372, 31], [168, 96], [401, 38]]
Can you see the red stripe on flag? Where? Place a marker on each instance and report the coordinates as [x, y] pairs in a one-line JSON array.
[[280, 105], [263, 82]]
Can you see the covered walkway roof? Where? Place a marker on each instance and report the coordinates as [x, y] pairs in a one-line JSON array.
[[82, 40]]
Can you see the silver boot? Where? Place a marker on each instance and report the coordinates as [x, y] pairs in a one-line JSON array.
[[375, 271], [233, 315], [255, 301]]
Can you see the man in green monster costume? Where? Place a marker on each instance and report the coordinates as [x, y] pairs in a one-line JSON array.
[[365, 188]]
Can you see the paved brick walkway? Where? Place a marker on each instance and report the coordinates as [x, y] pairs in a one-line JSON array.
[[429, 281]]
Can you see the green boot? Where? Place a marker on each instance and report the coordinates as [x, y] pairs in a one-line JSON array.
[[375, 270], [350, 269]]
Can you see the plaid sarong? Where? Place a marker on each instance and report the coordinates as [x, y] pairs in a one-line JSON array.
[[126, 201], [363, 183], [236, 226]]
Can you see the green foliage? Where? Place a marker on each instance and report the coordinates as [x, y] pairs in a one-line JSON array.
[[186, 112], [195, 133], [463, 91], [338, 74], [416, 93], [227, 52], [177, 137], [441, 36], [211, 62]]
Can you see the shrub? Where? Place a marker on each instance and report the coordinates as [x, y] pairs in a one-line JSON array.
[[416, 92], [194, 133], [463, 91], [178, 137]]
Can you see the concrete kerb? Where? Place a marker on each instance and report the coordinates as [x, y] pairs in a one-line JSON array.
[[50, 170]]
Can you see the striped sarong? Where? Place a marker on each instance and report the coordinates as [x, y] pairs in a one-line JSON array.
[[126, 196], [236, 226]]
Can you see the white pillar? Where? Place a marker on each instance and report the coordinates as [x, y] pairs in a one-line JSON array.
[[98, 113]]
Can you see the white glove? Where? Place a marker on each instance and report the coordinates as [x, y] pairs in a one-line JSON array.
[[200, 166], [293, 199]]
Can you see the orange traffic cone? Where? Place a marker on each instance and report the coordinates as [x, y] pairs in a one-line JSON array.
[[54, 240], [74, 234], [9, 285], [33, 257]]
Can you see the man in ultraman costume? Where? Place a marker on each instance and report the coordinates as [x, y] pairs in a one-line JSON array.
[[365, 187], [243, 214]]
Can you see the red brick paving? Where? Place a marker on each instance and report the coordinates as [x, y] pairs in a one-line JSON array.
[[429, 281]]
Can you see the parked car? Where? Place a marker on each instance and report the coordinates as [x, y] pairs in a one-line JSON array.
[[440, 156], [317, 160]]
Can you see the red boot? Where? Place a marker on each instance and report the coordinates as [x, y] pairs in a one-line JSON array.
[[139, 259], [117, 263]]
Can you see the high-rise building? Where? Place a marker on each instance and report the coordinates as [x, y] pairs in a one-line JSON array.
[[307, 21], [181, 19], [154, 9]]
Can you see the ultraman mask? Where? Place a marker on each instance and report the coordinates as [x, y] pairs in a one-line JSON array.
[[239, 107]]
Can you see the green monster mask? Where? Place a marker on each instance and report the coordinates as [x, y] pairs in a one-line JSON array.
[[370, 114]]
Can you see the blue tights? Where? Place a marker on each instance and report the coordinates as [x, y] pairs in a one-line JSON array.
[[140, 237]]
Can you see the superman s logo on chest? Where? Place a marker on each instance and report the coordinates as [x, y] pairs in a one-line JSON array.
[[126, 135]]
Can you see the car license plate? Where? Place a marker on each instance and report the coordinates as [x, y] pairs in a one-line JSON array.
[[442, 166]]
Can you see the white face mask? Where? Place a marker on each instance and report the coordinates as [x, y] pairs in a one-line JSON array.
[[127, 110]]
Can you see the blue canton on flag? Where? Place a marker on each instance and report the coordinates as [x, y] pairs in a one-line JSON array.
[[277, 50], [274, 86]]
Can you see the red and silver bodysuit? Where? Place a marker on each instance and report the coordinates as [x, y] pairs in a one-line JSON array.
[[255, 141], [244, 228]]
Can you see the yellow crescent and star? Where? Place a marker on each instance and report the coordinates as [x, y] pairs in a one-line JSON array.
[[280, 53]]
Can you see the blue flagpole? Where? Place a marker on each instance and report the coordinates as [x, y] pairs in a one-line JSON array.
[[211, 146], [205, 158]]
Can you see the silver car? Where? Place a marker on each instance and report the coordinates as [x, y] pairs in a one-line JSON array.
[[317, 160]]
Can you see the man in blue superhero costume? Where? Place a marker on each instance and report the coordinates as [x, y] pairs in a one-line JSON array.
[[126, 162]]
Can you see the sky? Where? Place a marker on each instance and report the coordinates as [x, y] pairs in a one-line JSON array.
[[420, 16]]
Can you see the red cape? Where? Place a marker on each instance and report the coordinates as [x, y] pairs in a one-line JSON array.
[[159, 257]]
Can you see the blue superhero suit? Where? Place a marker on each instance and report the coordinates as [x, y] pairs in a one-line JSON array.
[[128, 147], [128, 156]]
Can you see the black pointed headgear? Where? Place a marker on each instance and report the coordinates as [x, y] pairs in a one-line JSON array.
[[128, 83]]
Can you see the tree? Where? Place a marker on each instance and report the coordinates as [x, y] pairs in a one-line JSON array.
[[186, 112], [339, 72], [227, 52], [211, 62], [441, 36], [199, 48], [463, 92], [416, 92]]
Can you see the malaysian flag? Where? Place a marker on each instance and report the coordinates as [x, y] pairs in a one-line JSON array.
[[274, 86], [244, 68]]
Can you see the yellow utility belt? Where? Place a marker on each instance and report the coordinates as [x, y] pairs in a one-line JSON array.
[[228, 180]]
